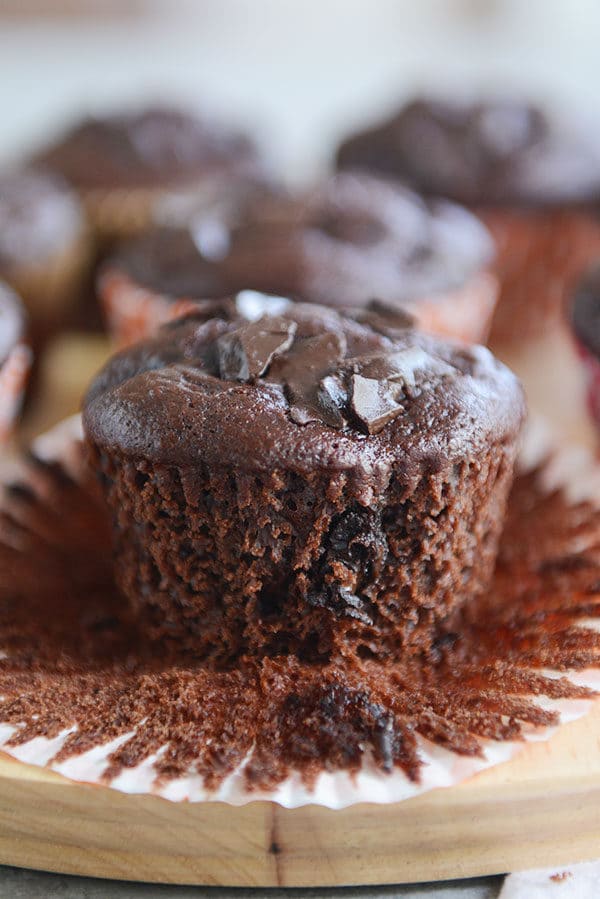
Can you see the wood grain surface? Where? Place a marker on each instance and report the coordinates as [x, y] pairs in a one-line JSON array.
[[542, 808]]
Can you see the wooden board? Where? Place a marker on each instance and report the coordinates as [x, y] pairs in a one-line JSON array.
[[542, 808]]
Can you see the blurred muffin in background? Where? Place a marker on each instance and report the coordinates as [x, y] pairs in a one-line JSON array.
[[585, 318], [44, 245], [351, 240], [15, 360], [122, 165], [533, 180], [149, 279]]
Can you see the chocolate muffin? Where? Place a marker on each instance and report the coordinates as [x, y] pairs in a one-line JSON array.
[[122, 165], [299, 482], [148, 280], [15, 360], [352, 239], [532, 179], [44, 243], [585, 317]]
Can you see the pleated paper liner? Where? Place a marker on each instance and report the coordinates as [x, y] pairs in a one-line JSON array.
[[82, 693]]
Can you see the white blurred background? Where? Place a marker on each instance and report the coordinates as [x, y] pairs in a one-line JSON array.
[[299, 71]]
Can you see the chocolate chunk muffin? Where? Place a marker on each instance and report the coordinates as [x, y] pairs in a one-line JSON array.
[[350, 240], [148, 280], [299, 482], [124, 164], [44, 244], [15, 360], [533, 180]]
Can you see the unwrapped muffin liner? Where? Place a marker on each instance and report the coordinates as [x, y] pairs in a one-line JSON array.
[[14, 372], [522, 661], [539, 256]]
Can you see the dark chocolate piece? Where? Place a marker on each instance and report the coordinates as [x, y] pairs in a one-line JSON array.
[[375, 403], [247, 353]]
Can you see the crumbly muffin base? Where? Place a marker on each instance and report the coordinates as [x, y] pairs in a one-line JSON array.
[[233, 563]]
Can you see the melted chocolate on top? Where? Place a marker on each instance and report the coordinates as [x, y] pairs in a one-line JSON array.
[[303, 387], [488, 152], [153, 146]]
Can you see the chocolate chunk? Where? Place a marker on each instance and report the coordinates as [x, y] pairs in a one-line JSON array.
[[401, 366], [302, 370], [385, 318], [374, 403], [332, 398], [247, 353]]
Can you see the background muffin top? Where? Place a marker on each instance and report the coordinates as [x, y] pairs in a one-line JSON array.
[[491, 151]]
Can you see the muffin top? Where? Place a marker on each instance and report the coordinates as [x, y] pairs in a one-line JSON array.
[[12, 321], [169, 261], [149, 147], [353, 238], [180, 257], [490, 152], [268, 384], [39, 216], [585, 311]]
